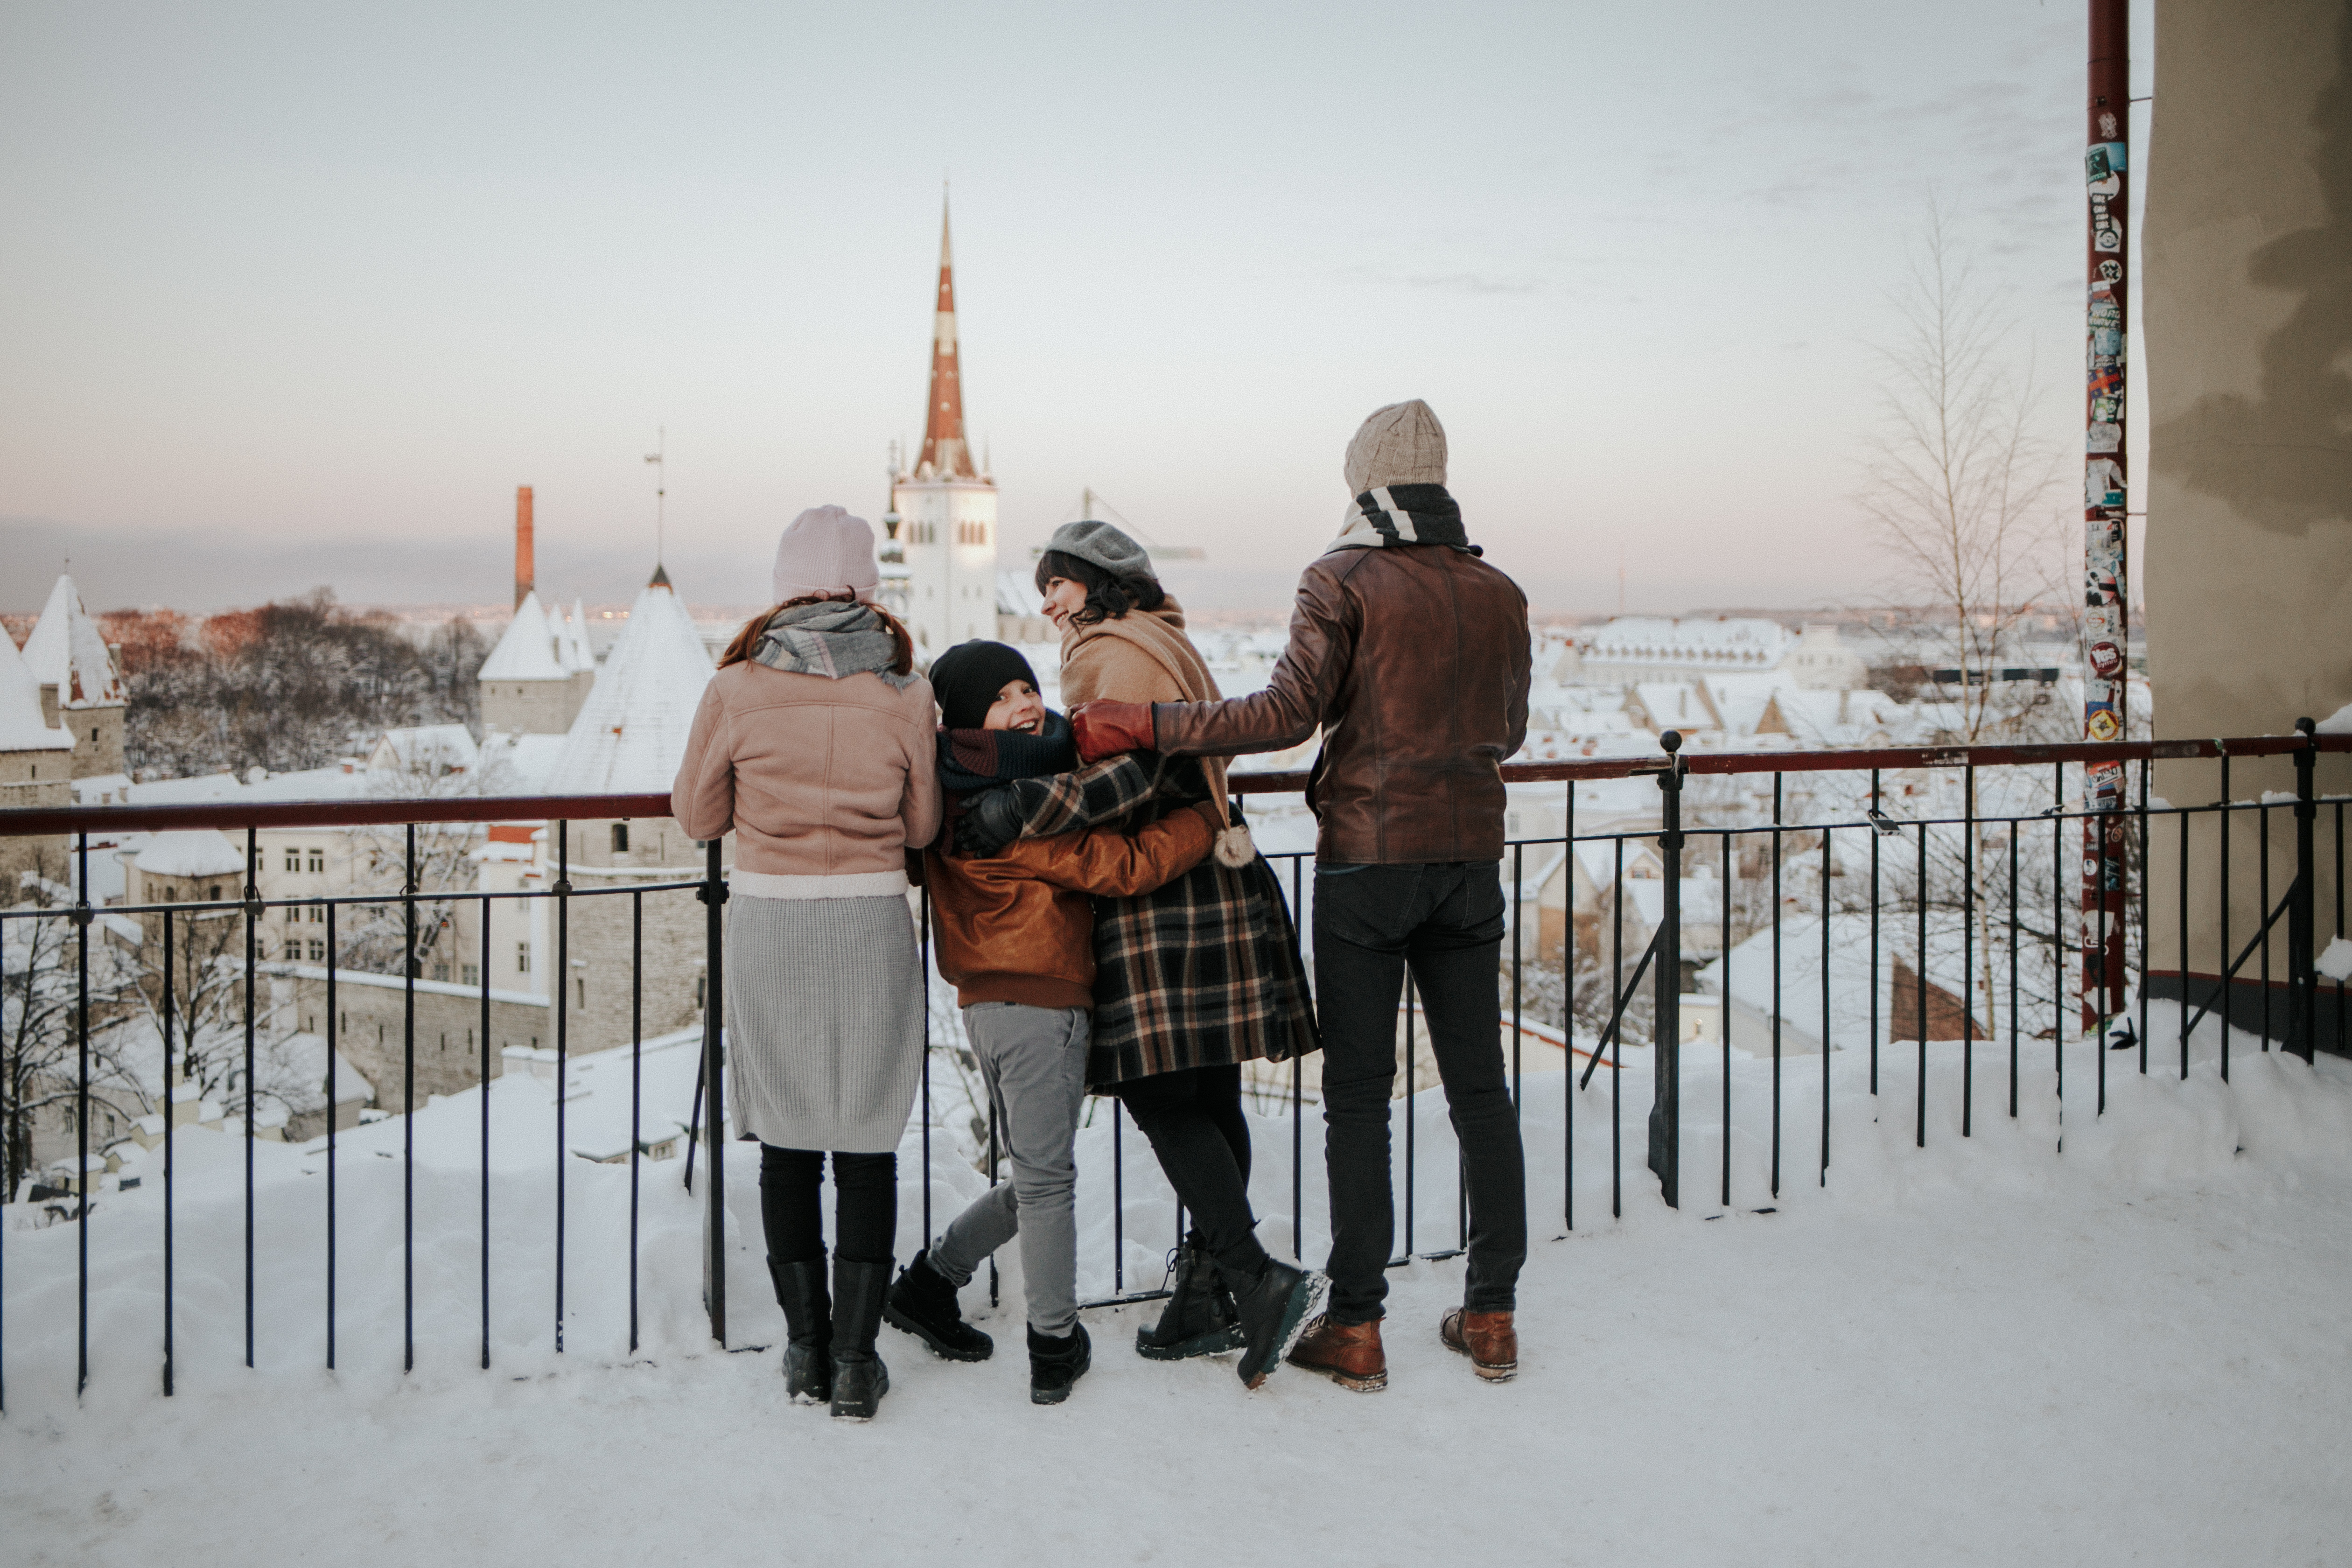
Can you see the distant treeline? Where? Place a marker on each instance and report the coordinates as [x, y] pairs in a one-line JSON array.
[[292, 684]]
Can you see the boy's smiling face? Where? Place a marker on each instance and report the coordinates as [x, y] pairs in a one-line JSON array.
[[1017, 707]]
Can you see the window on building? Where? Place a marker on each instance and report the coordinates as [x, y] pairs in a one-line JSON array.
[[440, 972], [293, 859], [213, 893], [620, 838], [473, 974], [523, 958], [171, 895], [293, 950], [318, 859], [317, 914], [700, 981], [318, 951], [579, 984]]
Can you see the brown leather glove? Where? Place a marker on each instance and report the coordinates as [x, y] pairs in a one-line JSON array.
[[1105, 729]]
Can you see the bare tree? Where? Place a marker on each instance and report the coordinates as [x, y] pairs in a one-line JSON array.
[[1959, 488], [41, 1058]]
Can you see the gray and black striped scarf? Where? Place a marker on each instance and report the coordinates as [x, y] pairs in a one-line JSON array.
[[831, 640], [1403, 514]]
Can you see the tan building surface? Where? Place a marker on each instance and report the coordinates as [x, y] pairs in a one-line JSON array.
[[2247, 269]]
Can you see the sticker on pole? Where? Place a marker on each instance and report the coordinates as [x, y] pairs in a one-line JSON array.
[[2106, 660]]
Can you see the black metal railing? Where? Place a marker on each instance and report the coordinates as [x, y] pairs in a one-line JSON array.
[[1968, 876]]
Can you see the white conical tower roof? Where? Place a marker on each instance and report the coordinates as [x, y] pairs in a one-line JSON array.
[[21, 729], [575, 638], [631, 735], [67, 651], [528, 651]]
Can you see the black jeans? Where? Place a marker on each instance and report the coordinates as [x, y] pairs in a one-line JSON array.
[[1194, 1121], [864, 1206], [1446, 921]]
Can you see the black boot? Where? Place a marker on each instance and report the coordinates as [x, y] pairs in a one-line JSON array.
[[859, 1378], [1055, 1363], [923, 1303], [1199, 1319], [808, 1323], [1270, 1304]]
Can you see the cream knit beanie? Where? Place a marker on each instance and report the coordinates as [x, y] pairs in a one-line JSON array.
[[1402, 443], [826, 550]]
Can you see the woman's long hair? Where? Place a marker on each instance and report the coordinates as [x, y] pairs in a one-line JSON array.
[[1108, 596], [739, 649]]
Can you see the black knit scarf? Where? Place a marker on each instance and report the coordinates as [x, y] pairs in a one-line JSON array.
[[982, 759], [1404, 514]]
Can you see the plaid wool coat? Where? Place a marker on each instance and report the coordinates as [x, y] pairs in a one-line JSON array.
[[1203, 973]]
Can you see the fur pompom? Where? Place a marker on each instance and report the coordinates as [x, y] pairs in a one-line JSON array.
[[1234, 849]]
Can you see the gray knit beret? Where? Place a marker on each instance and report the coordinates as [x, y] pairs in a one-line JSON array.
[[1105, 546]]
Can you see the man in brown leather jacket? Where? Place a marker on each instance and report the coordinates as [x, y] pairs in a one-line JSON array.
[[1411, 654]]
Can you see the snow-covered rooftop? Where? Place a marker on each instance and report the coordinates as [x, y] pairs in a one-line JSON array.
[[531, 649], [66, 651], [1709, 644], [21, 729], [193, 852], [630, 736]]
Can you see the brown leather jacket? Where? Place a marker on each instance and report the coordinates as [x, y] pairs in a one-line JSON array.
[[1414, 660], [1019, 925]]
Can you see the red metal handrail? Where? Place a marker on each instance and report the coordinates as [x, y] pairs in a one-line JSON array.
[[29, 821]]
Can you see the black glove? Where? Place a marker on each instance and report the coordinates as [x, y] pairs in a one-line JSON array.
[[990, 820]]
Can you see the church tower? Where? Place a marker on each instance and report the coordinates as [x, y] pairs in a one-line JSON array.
[[945, 506]]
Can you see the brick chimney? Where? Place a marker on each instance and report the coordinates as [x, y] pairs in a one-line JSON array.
[[523, 572]]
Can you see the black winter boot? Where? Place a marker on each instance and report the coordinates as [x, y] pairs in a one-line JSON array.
[[859, 1378], [923, 1303], [1199, 1319], [808, 1323], [1055, 1363], [1270, 1303]]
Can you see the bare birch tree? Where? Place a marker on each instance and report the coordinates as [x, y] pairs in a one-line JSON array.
[[1959, 488]]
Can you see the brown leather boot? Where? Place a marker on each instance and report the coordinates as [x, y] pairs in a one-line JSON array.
[[1487, 1338], [1350, 1355]]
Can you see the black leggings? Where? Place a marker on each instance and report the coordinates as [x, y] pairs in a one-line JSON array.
[[1194, 1121], [864, 1206]]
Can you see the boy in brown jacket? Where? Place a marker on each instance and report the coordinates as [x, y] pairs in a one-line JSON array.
[[1014, 934]]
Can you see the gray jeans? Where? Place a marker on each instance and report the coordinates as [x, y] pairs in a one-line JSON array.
[[1034, 1062]]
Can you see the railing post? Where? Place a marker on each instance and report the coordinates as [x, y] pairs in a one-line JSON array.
[[713, 894], [2301, 928], [1665, 1034]]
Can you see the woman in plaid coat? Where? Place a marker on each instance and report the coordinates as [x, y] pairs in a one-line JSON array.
[[1191, 981]]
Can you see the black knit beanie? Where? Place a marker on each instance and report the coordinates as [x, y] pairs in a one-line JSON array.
[[967, 677]]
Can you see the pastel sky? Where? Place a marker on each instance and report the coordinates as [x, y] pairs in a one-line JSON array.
[[295, 294]]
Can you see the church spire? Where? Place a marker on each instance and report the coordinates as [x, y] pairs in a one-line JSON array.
[[945, 452]]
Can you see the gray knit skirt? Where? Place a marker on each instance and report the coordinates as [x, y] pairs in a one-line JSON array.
[[824, 1021]]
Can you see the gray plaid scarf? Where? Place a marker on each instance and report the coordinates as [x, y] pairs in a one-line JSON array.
[[831, 640]]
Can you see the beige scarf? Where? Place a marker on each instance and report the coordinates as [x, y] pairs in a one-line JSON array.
[[1145, 656]]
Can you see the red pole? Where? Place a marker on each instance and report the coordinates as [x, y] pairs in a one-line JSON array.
[[524, 569], [2107, 628]]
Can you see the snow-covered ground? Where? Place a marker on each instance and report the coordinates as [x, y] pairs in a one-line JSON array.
[[2136, 1350]]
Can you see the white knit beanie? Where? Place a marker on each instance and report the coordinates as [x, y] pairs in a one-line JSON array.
[[1401, 444], [826, 550]]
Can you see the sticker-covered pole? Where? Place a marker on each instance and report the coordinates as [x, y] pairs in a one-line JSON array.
[[2106, 583]]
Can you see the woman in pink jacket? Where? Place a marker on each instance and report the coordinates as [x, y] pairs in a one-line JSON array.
[[815, 747]]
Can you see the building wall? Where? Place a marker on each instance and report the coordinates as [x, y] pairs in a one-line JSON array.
[[949, 531], [97, 732], [534, 706], [29, 779], [2247, 324], [370, 1027], [596, 964]]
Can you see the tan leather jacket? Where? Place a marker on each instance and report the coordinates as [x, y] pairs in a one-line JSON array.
[[1413, 660]]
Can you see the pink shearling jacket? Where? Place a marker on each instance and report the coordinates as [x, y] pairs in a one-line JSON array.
[[817, 778]]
